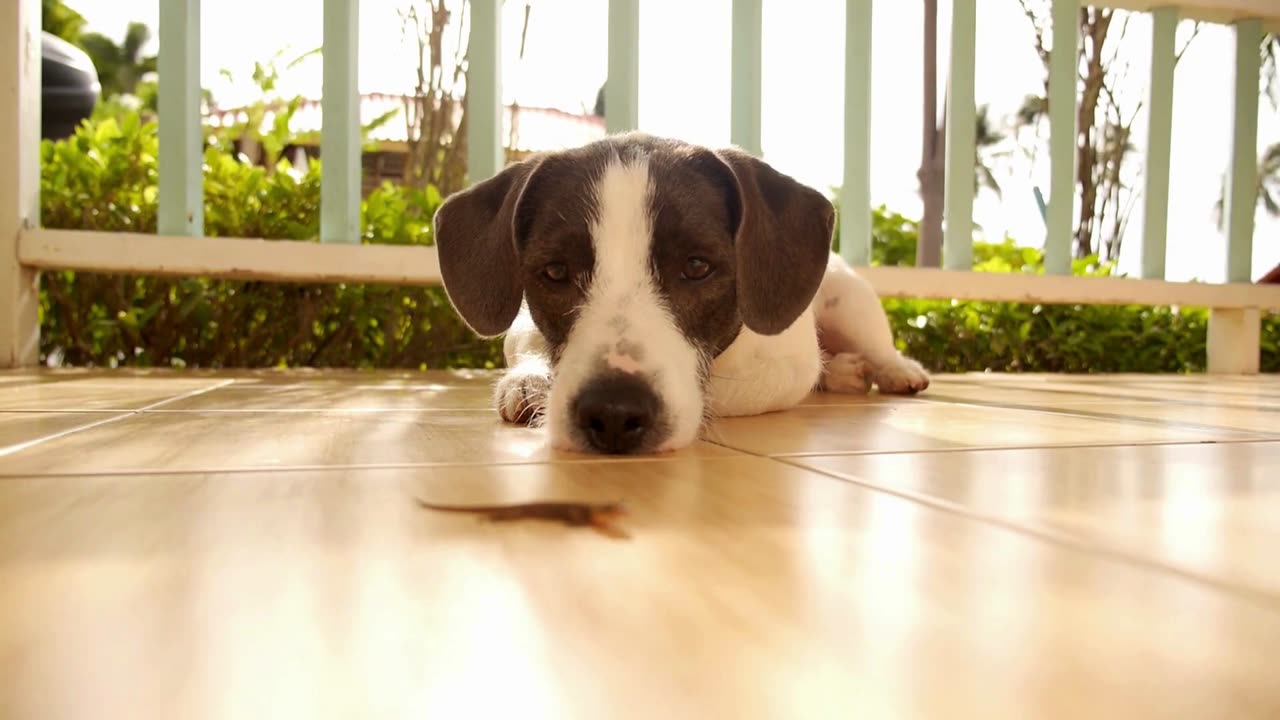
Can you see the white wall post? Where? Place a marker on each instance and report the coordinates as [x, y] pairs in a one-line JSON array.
[[20, 43], [1235, 341]]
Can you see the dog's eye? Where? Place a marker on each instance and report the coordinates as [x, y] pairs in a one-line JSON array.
[[556, 272], [695, 268]]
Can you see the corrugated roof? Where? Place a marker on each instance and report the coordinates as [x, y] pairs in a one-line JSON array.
[[536, 128]]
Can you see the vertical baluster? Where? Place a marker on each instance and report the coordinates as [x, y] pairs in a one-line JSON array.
[[340, 128], [622, 89], [855, 195], [19, 178], [744, 79], [957, 240], [1234, 342], [1155, 223], [181, 162], [1062, 135], [1242, 178], [485, 110]]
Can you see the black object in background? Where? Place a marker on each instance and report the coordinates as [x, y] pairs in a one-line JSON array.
[[69, 87]]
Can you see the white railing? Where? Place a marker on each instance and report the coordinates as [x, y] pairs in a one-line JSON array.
[[182, 249]]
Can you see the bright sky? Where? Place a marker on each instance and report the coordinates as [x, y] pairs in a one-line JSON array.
[[684, 92]]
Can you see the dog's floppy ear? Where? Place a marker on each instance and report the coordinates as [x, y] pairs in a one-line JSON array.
[[783, 241], [474, 239]]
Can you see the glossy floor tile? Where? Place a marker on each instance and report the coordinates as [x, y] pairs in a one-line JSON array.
[[1027, 379], [1246, 418], [96, 394], [209, 441], [1162, 391], [1211, 509], [1044, 395], [940, 426], [20, 429], [246, 544], [340, 397], [747, 590]]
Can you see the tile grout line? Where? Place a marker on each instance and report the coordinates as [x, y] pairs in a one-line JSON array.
[[301, 410], [363, 467], [1096, 387], [1085, 546], [1054, 537], [737, 454], [13, 449], [1004, 448], [250, 411], [1229, 400], [1089, 546], [1093, 415]]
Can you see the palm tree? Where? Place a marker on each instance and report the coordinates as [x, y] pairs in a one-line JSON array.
[[987, 138], [1269, 164], [1268, 188], [120, 67], [1271, 68], [598, 110], [58, 19], [1269, 181]]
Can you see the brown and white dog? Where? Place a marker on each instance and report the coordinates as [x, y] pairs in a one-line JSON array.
[[646, 284]]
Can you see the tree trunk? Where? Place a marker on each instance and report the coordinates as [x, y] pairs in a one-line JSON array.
[[932, 173], [1094, 24], [436, 118]]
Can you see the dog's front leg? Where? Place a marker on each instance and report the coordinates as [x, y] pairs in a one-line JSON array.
[[856, 338], [521, 394]]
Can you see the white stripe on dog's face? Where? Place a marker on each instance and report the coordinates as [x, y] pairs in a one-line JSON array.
[[624, 329]]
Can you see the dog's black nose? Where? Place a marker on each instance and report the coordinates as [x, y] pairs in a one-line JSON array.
[[616, 413]]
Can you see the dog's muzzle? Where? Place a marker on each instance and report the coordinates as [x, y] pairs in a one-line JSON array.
[[617, 413]]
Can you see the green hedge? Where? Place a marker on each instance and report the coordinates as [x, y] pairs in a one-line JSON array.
[[104, 178], [950, 336], [959, 337]]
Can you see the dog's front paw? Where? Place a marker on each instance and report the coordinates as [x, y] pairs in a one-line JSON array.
[[847, 373], [904, 376], [521, 397]]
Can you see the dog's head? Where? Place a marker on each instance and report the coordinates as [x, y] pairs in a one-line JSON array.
[[641, 259]]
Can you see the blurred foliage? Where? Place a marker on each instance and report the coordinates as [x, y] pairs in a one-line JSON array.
[[58, 19], [121, 66], [104, 178], [265, 126], [952, 336]]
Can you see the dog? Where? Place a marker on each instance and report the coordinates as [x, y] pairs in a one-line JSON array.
[[645, 284]]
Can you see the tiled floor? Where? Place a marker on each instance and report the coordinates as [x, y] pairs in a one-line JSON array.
[[245, 545]]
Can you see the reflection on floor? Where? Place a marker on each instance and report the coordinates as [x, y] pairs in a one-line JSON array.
[[245, 545]]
